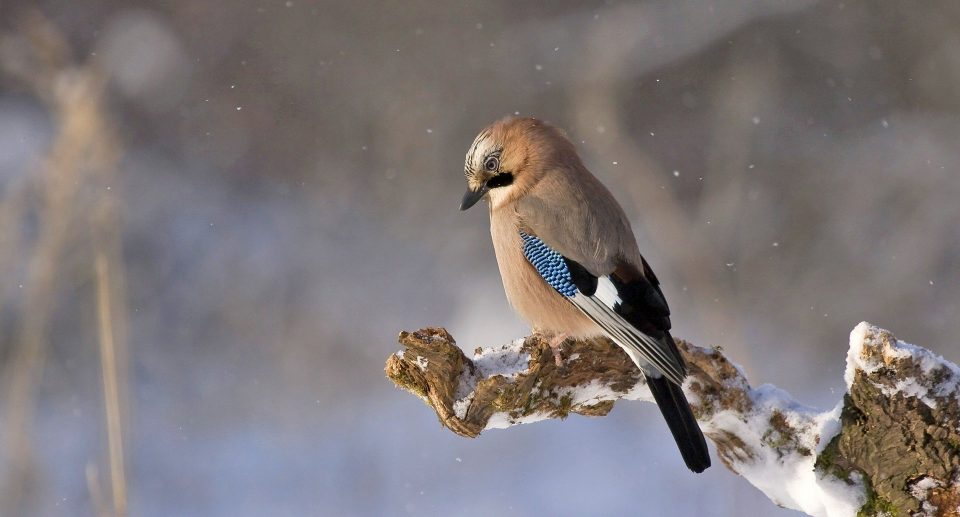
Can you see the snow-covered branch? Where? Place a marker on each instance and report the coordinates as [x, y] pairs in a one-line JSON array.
[[890, 446]]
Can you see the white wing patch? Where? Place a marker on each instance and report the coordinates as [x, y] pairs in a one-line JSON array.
[[607, 292], [646, 352]]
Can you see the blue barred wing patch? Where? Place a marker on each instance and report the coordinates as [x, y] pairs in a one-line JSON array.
[[604, 306], [549, 264]]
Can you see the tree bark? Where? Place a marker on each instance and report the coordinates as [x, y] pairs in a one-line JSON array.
[[890, 446]]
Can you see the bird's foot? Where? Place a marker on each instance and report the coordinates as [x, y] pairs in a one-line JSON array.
[[556, 345]]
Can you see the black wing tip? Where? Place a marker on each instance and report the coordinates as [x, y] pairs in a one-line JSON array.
[[698, 468], [686, 432], [696, 460]]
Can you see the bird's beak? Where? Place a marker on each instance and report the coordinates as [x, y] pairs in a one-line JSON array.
[[471, 197]]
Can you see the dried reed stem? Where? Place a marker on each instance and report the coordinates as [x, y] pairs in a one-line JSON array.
[[111, 391]]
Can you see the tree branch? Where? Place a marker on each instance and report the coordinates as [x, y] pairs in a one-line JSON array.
[[892, 445]]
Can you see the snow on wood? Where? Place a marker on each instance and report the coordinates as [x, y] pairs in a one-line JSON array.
[[891, 445]]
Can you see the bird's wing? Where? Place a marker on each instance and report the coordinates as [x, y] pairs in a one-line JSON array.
[[579, 218], [626, 303]]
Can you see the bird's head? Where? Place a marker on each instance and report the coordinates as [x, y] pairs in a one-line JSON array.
[[509, 157]]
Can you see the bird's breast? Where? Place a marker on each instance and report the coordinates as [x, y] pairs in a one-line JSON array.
[[529, 294]]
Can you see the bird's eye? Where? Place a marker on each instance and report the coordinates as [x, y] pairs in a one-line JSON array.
[[492, 164]]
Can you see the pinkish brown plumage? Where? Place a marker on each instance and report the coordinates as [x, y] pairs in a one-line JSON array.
[[569, 261]]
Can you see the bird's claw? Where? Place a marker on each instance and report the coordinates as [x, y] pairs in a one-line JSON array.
[[556, 346]]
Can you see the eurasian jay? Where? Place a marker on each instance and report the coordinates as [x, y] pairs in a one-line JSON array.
[[569, 261]]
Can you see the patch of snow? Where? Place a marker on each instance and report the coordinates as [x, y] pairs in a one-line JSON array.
[[640, 392], [788, 478], [594, 392], [831, 427], [923, 387], [855, 361], [422, 363], [933, 365], [921, 490], [910, 388], [864, 335], [461, 405], [508, 360], [503, 420], [801, 488], [465, 392]]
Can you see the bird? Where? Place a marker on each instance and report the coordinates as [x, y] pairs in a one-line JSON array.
[[570, 263]]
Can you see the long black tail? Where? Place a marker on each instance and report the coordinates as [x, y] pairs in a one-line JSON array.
[[684, 427]]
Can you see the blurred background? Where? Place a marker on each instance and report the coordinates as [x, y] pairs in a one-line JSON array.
[[215, 218]]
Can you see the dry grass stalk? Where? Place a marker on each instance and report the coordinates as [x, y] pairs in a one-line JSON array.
[[83, 152], [111, 390]]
